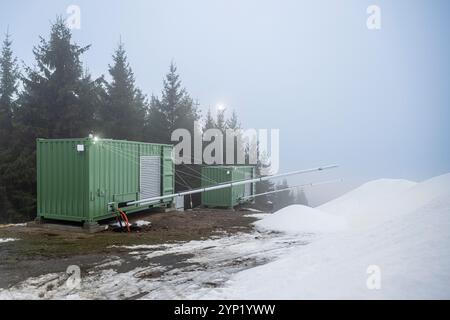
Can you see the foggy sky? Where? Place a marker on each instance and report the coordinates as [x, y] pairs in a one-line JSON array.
[[376, 102]]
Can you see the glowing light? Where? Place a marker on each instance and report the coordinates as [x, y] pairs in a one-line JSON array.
[[95, 139]]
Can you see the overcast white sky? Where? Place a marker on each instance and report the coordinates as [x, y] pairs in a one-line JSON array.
[[376, 102]]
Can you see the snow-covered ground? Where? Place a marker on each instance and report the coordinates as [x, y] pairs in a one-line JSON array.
[[396, 245], [388, 239], [3, 240], [171, 271]]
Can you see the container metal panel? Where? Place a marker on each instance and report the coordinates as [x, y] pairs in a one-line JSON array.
[[239, 173], [150, 176], [168, 164], [248, 186], [211, 176], [179, 203], [77, 185], [113, 175], [227, 197], [61, 179], [242, 173]]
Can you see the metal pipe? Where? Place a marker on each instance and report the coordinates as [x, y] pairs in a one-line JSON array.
[[312, 184], [226, 185]]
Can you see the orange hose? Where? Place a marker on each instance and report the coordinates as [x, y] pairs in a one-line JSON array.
[[119, 219], [125, 218]]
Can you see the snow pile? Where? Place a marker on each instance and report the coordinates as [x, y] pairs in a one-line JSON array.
[[3, 240], [252, 210], [142, 223], [370, 203], [407, 242], [381, 200], [298, 219], [138, 223], [422, 194], [13, 225]]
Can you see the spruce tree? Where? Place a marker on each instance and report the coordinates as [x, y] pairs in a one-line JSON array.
[[300, 197], [9, 76], [174, 110], [156, 124], [58, 100], [124, 112], [210, 123], [221, 122], [233, 122], [283, 198], [265, 202]]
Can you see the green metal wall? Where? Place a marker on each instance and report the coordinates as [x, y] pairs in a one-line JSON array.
[[227, 197], [78, 186], [62, 179]]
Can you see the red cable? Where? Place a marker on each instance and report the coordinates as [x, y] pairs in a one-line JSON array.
[[126, 221], [125, 218], [119, 219]]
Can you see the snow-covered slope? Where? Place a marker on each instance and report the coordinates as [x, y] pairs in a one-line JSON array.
[[398, 229], [299, 219], [370, 203], [422, 194], [381, 200], [408, 241]]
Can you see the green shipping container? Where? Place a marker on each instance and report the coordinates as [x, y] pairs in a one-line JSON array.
[[227, 197], [78, 178]]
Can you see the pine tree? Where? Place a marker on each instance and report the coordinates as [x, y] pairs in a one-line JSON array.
[[300, 197], [283, 198], [124, 113], [9, 76], [210, 123], [221, 122], [58, 100], [264, 202], [233, 122], [175, 109], [156, 124]]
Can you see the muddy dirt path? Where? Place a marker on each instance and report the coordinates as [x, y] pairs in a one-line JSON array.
[[39, 251], [189, 255]]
